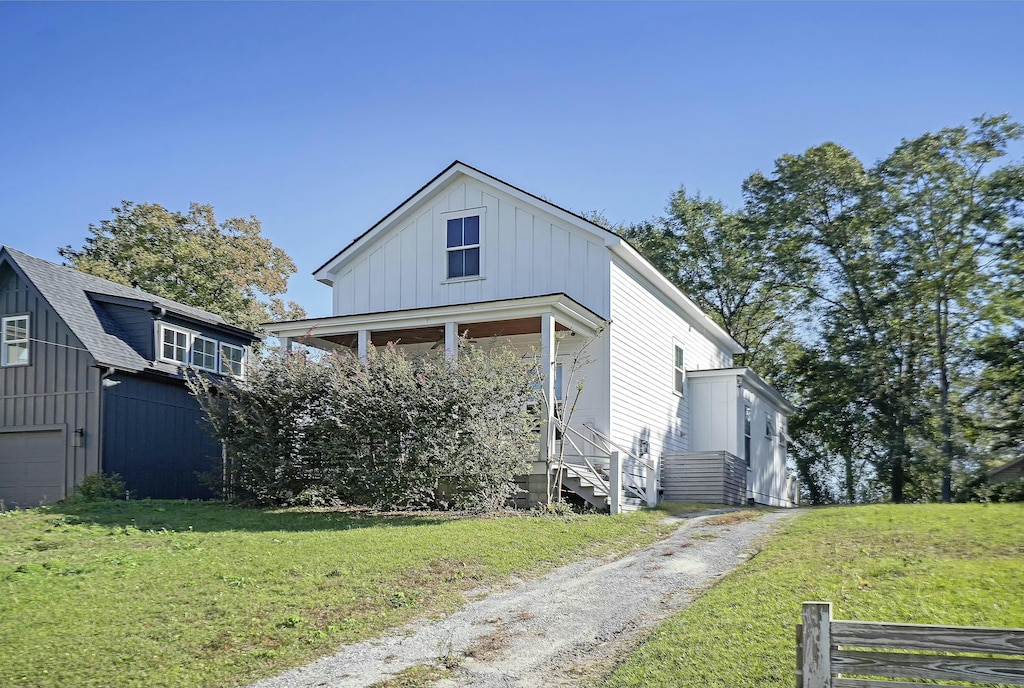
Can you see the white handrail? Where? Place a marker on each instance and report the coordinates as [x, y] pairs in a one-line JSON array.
[[617, 446]]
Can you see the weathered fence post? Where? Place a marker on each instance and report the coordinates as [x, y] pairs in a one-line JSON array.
[[615, 484], [817, 643]]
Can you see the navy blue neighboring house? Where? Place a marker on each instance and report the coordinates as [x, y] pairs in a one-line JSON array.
[[91, 380]]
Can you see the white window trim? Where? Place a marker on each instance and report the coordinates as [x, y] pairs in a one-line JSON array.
[[769, 426], [221, 360], [676, 369], [455, 215], [4, 342], [163, 327], [216, 353]]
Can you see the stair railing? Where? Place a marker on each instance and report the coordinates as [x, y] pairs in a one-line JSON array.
[[634, 481]]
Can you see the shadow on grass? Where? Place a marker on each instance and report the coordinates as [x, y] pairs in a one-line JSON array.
[[217, 516]]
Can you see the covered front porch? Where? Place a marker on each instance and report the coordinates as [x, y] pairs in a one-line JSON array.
[[545, 330]]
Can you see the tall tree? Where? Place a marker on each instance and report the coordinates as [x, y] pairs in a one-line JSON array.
[[737, 268], [948, 213], [228, 268], [826, 201]]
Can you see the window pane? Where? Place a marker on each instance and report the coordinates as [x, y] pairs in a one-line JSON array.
[[17, 329], [17, 354], [558, 382], [456, 264], [455, 232], [472, 230], [472, 265], [679, 381], [679, 357]]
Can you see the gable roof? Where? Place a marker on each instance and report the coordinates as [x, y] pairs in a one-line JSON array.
[[612, 242], [69, 292]]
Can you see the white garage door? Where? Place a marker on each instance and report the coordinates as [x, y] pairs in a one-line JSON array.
[[31, 467]]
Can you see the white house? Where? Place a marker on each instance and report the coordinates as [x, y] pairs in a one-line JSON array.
[[662, 413]]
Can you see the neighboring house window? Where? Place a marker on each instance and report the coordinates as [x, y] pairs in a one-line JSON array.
[[204, 353], [232, 360], [14, 341], [747, 417], [680, 371], [463, 246], [174, 345]]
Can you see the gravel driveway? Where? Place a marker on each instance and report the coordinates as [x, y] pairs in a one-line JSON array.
[[567, 627]]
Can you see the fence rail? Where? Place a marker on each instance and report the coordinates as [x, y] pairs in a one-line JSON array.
[[830, 654]]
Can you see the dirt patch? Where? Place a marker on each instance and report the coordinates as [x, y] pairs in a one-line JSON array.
[[734, 517], [566, 628]]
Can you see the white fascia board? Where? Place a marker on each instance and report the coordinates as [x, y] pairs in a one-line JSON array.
[[565, 310], [662, 283], [326, 273]]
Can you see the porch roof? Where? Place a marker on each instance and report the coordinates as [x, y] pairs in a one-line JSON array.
[[517, 316]]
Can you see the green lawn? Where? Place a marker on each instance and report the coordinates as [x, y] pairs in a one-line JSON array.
[[959, 564], [199, 594]]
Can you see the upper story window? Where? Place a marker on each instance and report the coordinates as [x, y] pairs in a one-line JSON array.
[[232, 360], [769, 431], [174, 344], [463, 246], [679, 379], [14, 341], [183, 347], [204, 353]]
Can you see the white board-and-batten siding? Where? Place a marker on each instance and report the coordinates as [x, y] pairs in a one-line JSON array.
[[646, 327], [524, 251]]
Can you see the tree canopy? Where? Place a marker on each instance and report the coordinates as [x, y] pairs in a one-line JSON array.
[[228, 268], [884, 300]]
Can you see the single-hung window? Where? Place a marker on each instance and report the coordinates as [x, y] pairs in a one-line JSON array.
[[204, 353], [747, 417], [232, 360], [464, 246], [174, 345], [680, 371], [14, 347]]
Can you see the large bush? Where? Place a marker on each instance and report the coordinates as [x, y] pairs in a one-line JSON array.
[[391, 433]]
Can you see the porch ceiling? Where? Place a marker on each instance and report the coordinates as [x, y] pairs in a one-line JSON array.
[[435, 333]]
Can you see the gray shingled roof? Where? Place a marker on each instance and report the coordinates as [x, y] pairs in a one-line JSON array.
[[67, 291]]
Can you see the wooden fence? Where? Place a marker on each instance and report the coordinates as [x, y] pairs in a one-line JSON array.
[[830, 652], [716, 476]]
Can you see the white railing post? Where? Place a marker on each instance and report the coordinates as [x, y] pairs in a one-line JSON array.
[[615, 484], [651, 489], [817, 659], [363, 345]]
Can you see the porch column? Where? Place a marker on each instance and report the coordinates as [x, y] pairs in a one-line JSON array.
[[286, 344], [451, 340], [363, 344], [547, 369]]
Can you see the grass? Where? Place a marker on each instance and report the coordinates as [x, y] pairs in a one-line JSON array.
[[184, 594], [959, 564]]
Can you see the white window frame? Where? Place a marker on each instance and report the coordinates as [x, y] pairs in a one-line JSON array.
[[678, 371], [164, 327], [224, 360], [216, 353], [769, 426], [457, 215], [26, 340]]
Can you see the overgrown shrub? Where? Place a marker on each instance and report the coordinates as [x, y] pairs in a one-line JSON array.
[[393, 433], [98, 486]]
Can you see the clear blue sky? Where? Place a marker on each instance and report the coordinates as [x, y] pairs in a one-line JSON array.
[[319, 118]]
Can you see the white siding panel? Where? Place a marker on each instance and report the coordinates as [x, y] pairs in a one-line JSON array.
[[524, 252], [644, 331], [393, 278], [376, 279]]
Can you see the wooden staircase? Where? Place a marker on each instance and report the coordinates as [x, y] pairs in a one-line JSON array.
[[592, 487]]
